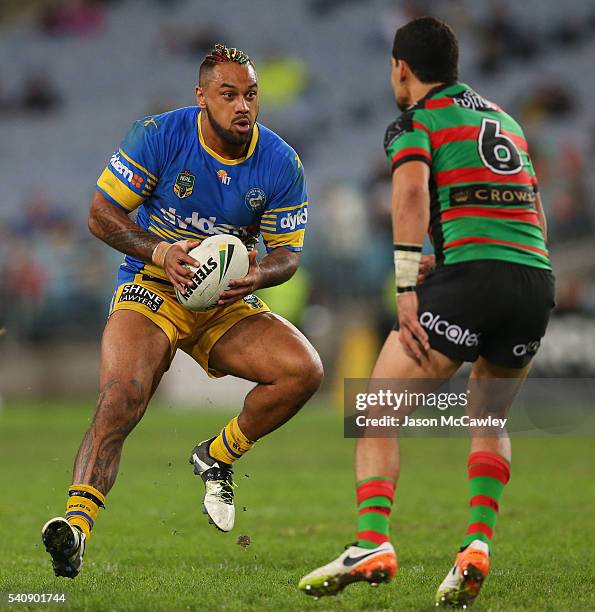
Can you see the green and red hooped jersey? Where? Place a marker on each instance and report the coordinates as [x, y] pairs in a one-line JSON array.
[[482, 181]]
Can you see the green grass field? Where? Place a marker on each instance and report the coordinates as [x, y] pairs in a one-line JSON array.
[[153, 550]]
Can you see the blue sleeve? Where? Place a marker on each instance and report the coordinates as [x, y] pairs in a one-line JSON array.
[[284, 220], [133, 170]]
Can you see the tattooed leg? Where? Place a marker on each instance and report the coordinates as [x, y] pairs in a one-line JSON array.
[[120, 407], [135, 353]]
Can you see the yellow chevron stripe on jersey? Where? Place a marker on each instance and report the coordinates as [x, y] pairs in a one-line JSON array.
[[229, 162], [285, 208], [158, 232], [179, 233], [123, 195], [156, 218], [292, 239], [191, 234], [162, 225], [163, 232], [127, 158]]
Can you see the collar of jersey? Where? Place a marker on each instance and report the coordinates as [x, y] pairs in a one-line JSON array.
[[443, 90], [228, 162]]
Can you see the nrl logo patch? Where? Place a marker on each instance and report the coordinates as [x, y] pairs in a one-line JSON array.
[[184, 185], [253, 301], [255, 198]]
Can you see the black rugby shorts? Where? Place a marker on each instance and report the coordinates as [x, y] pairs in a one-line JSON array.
[[492, 308]]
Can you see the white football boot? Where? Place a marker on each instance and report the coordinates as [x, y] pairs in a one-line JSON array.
[[464, 581], [218, 479], [372, 565], [66, 545]]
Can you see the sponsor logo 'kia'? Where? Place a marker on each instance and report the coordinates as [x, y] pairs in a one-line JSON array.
[[520, 350], [291, 221], [453, 333]]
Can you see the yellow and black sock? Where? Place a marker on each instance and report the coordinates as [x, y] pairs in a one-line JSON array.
[[83, 506], [230, 444]]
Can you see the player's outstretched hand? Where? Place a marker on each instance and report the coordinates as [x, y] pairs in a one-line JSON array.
[[241, 287], [411, 334], [175, 262], [426, 265]]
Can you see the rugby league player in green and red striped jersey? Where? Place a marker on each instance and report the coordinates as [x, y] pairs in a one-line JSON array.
[[462, 172]]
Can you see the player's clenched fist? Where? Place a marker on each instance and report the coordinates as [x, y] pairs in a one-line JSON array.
[[174, 259]]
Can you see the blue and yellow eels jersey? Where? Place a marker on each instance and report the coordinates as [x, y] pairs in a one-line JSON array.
[[183, 189]]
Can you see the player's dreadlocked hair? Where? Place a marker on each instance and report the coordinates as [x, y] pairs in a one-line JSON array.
[[220, 54]]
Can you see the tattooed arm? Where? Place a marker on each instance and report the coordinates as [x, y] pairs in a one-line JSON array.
[[112, 225]]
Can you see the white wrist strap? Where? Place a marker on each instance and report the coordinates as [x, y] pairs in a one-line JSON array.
[[158, 255], [407, 260]]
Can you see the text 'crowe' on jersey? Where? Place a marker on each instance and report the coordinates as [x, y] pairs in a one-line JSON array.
[[482, 181], [183, 189]]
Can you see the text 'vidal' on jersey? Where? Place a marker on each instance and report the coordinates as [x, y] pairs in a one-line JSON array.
[[183, 189]]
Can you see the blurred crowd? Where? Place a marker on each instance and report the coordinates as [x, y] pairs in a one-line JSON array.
[[56, 280]]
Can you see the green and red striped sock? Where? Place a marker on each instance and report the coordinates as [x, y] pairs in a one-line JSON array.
[[374, 500], [488, 473]]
